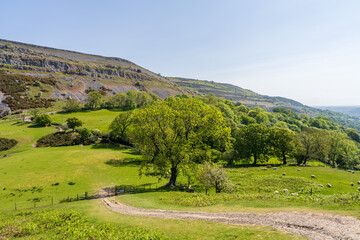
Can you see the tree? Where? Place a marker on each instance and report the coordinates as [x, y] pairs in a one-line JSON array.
[[173, 133], [341, 148], [73, 123], [43, 120], [211, 176], [120, 125], [283, 142], [72, 105], [252, 141], [94, 100], [85, 135], [313, 144]]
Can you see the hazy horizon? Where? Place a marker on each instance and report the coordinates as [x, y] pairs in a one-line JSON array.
[[303, 50]]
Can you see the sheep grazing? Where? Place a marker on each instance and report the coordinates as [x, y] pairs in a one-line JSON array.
[[353, 171], [281, 166], [349, 170], [284, 174], [298, 169], [294, 194], [313, 176], [276, 192], [320, 185], [285, 190], [264, 169], [274, 168], [268, 166], [328, 185], [358, 188], [359, 182], [352, 184]]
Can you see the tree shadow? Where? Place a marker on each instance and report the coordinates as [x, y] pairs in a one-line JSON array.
[[126, 162], [21, 123], [110, 146]]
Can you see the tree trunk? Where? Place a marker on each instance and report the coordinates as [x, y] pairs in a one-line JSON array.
[[174, 173], [255, 158], [333, 163], [284, 158]]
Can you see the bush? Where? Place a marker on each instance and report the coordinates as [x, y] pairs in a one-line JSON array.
[[43, 120], [59, 139], [6, 144], [73, 122]]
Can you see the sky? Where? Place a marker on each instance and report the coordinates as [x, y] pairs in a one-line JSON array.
[[306, 50]]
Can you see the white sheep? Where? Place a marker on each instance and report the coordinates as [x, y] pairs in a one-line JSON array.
[[329, 185], [359, 182], [352, 184], [294, 194], [274, 168], [284, 174], [285, 190], [321, 185], [276, 192], [298, 169], [313, 176]]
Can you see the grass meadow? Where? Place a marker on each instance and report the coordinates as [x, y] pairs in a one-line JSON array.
[[50, 175]]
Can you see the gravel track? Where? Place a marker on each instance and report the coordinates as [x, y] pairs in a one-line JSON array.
[[316, 226]]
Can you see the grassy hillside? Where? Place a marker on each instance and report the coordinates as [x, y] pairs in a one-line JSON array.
[[43, 176]]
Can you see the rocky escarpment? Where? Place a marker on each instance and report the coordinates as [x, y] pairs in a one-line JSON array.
[[73, 74]]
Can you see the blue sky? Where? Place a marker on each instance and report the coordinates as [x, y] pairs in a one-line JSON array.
[[305, 50]]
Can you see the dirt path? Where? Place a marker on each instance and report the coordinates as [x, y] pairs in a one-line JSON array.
[[311, 225]]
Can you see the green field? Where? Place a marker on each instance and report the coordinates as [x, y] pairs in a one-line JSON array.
[[42, 175]]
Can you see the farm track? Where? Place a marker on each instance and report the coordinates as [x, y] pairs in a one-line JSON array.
[[315, 226]]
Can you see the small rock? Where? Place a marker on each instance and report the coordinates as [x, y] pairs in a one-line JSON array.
[[285, 190], [329, 185], [298, 169], [268, 166], [294, 194], [274, 168]]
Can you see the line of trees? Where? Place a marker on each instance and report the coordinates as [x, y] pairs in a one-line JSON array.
[[178, 133]]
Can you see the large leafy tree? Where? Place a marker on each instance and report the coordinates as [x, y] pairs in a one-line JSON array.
[[253, 141], [283, 142], [94, 100], [119, 127], [175, 133]]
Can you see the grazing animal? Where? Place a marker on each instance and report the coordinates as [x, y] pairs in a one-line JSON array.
[[313, 176], [329, 185], [294, 194], [276, 192]]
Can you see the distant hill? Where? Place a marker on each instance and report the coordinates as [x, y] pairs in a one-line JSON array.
[[349, 110], [252, 99], [34, 76]]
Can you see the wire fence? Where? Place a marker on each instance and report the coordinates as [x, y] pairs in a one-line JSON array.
[[88, 195]]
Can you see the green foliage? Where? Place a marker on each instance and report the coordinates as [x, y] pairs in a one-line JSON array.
[[73, 122], [211, 176], [6, 144], [72, 105], [58, 139], [94, 100], [283, 142], [43, 120], [85, 135], [130, 100], [252, 141], [65, 224], [119, 127], [177, 132]]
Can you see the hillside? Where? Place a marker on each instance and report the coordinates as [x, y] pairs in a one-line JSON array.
[[31, 74], [34, 77], [252, 99]]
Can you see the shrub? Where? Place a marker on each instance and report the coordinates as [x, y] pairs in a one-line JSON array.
[[73, 122], [43, 120], [58, 139], [85, 135], [6, 144]]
